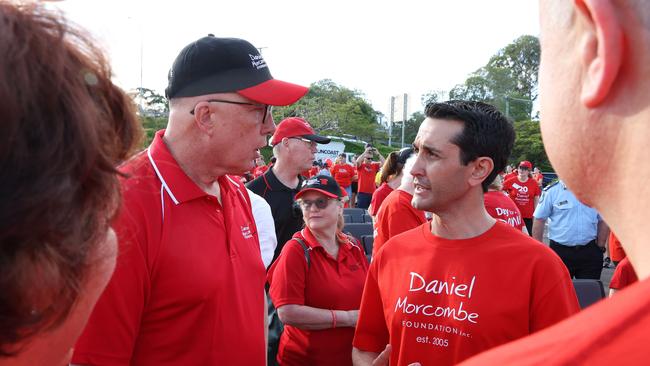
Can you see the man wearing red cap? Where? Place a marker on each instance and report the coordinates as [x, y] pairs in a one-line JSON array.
[[525, 192], [188, 287], [294, 146]]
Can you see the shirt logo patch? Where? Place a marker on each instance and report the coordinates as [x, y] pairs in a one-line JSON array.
[[246, 232]]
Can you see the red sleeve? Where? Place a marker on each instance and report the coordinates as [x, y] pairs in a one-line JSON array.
[[402, 220], [287, 276], [112, 329], [371, 334], [538, 191], [624, 275], [334, 170], [554, 298]]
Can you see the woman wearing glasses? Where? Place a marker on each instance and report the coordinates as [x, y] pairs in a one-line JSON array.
[[317, 281]]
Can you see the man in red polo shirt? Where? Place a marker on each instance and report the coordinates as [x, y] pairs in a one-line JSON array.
[[343, 173], [366, 172], [525, 192], [594, 82], [464, 282], [188, 288]]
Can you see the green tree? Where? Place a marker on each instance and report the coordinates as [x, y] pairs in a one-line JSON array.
[[334, 109], [529, 146], [508, 80], [153, 104]]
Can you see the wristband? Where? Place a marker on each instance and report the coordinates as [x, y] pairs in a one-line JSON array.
[[333, 318]]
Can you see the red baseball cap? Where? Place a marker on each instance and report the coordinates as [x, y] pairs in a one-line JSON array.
[[526, 164], [224, 65], [296, 127]]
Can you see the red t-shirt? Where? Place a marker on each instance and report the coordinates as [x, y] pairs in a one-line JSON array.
[[439, 301], [523, 193], [343, 174], [189, 282], [616, 251], [260, 170], [327, 283], [610, 332], [366, 174], [501, 207], [624, 275], [512, 174], [378, 197], [539, 178], [396, 216]]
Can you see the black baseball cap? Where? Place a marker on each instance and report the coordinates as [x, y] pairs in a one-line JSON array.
[[404, 154], [323, 184], [223, 65]]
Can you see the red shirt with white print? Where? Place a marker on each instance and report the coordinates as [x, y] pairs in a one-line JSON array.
[[523, 193]]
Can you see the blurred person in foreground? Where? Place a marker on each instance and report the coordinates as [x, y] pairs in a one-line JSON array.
[[432, 294], [188, 288], [595, 122], [65, 128], [317, 281]]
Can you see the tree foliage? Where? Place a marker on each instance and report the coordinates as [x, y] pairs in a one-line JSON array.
[[529, 146], [151, 103], [332, 109], [508, 80]]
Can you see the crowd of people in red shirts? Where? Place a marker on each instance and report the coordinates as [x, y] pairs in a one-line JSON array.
[[157, 257]]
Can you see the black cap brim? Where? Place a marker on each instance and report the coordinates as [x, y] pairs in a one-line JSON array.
[[318, 139]]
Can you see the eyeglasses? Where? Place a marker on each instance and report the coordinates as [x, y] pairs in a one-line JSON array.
[[320, 203], [268, 109], [524, 168], [309, 142]]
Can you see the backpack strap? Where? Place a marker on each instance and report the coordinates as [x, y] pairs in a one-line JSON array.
[[305, 248]]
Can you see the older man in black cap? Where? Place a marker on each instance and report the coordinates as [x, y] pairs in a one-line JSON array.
[[188, 287]]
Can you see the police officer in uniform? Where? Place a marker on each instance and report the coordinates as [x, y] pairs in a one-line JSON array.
[[576, 232]]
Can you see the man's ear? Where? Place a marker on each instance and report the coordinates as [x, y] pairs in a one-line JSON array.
[[482, 167], [601, 49], [204, 118]]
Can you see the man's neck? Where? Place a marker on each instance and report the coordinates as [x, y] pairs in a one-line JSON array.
[[286, 174], [464, 219], [522, 178], [203, 178]]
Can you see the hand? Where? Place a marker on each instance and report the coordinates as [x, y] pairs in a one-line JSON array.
[[384, 358]]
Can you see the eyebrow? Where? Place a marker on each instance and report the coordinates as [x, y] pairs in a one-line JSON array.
[[431, 149]]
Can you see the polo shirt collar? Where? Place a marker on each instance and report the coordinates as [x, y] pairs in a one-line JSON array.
[[174, 180], [275, 183], [312, 242]]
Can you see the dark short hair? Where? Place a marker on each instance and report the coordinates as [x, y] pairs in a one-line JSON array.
[[486, 132], [65, 127]]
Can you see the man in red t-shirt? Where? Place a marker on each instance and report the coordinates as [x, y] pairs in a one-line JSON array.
[[499, 205], [366, 172], [396, 214], [343, 173], [525, 192], [432, 293], [188, 287], [594, 82]]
